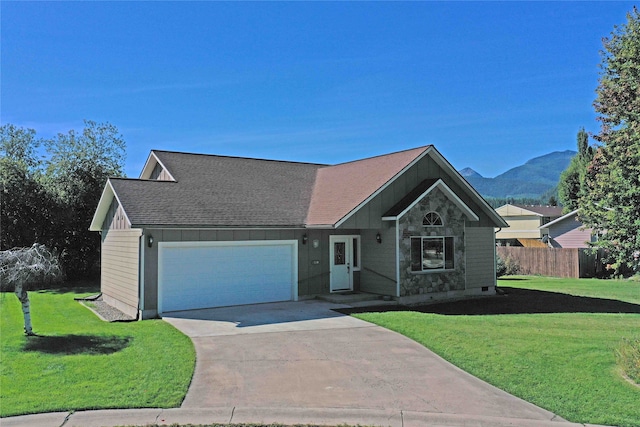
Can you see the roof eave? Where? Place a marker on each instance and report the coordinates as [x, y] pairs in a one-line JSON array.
[[444, 163], [108, 194]]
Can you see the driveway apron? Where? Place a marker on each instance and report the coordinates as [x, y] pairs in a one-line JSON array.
[[303, 355]]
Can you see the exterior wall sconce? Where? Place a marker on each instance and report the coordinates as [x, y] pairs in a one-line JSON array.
[[150, 240], [304, 239], [378, 238]]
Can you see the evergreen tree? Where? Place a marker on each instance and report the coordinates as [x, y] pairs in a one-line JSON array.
[[572, 180], [611, 203]]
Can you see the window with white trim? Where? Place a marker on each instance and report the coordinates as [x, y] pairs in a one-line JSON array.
[[432, 253], [432, 219]]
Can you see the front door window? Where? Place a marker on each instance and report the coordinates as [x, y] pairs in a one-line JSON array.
[[339, 253]]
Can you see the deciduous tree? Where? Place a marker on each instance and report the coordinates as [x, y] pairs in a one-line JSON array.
[[23, 268]]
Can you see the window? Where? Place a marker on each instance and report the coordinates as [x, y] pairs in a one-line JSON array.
[[356, 253], [432, 253], [432, 219]]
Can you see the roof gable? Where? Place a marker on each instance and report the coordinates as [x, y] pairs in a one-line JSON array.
[[151, 165], [420, 192]]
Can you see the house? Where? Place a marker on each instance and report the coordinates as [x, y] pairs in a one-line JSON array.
[[525, 223], [567, 232], [197, 231]]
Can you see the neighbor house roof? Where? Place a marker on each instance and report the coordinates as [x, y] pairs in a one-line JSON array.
[[550, 211], [571, 214], [207, 190], [520, 210]]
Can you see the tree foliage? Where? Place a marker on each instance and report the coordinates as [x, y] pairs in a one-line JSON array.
[[611, 202], [52, 200], [572, 183]]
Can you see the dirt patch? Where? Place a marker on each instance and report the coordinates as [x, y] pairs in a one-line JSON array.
[[514, 301]]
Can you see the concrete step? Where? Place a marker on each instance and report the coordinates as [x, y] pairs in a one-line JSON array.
[[350, 298]]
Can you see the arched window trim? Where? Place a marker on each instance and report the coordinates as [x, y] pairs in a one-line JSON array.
[[432, 219]]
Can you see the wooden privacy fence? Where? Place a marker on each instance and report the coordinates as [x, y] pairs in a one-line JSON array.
[[555, 262]]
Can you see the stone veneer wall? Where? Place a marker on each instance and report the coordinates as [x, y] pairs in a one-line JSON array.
[[410, 225]]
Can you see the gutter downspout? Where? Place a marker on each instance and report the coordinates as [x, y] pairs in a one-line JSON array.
[[141, 276], [495, 259]]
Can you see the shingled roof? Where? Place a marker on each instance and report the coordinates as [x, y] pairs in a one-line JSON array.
[[342, 188], [222, 191], [218, 190]]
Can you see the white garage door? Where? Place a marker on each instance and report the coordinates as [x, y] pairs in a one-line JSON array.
[[194, 275]]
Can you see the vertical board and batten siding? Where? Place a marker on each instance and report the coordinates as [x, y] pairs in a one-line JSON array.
[[115, 218], [378, 270], [120, 272], [480, 257], [159, 174]]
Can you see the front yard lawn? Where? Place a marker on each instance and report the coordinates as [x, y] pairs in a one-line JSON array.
[[77, 361], [558, 355]]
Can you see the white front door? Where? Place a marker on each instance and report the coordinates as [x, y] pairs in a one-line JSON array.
[[343, 253]]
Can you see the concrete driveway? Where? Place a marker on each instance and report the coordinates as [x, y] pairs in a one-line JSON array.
[[303, 355]]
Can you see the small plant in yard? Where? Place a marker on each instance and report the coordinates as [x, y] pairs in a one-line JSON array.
[[628, 358], [506, 267]]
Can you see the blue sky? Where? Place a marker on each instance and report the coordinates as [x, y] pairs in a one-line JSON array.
[[491, 85]]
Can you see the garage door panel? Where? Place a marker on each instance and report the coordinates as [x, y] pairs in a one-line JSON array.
[[215, 275]]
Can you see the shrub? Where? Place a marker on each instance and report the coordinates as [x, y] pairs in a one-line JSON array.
[[507, 266], [628, 358], [501, 268]]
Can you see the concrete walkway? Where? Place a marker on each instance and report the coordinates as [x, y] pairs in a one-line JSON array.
[[301, 363]]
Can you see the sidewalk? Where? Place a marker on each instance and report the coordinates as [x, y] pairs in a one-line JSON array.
[[287, 416]]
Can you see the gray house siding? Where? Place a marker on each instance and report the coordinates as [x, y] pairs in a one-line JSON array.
[[378, 271], [481, 265], [313, 263]]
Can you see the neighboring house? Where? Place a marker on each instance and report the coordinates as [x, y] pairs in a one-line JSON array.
[[567, 232], [525, 223], [198, 231]]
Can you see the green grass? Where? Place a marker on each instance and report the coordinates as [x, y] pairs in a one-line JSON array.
[[80, 362], [621, 290], [564, 362]]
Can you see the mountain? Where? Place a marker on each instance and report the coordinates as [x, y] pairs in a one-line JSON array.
[[468, 172], [534, 179]]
